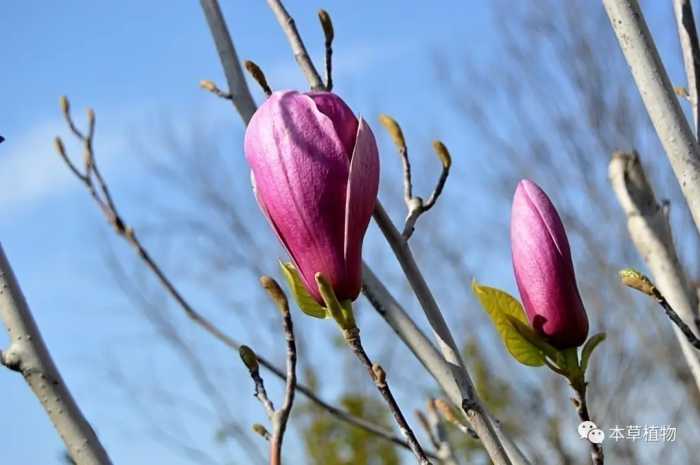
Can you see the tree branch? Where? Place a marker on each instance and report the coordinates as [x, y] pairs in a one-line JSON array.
[[287, 24], [237, 86], [651, 233], [470, 403], [688, 36], [28, 355], [659, 98], [582, 411], [378, 376]]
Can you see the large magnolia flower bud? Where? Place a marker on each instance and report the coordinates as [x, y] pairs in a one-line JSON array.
[[543, 269], [315, 170]]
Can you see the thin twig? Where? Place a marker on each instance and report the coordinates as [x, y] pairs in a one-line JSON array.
[[28, 355], [289, 27], [673, 316], [126, 232], [416, 206], [238, 88], [210, 86], [579, 401], [329, 34], [378, 376], [250, 360], [280, 417], [444, 448], [636, 280], [688, 34]]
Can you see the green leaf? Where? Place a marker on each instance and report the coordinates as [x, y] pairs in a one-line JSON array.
[[535, 339], [504, 311], [588, 348], [306, 303]]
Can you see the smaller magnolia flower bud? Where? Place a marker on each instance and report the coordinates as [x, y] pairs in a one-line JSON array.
[[544, 271]]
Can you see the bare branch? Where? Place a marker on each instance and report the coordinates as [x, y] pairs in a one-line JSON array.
[[210, 86], [415, 205], [475, 412], [651, 233], [636, 280], [378, 376], [444, 374], [281, 416], [28, 355], [251, 362], [659, 98], [238, 88], [287, 24], [582, 411], [688, 35]]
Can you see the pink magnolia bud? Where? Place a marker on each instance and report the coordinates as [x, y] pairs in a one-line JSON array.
[[543, 268], [315, 171]]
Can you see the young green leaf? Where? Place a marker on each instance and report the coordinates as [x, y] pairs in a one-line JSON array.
[[306, 303], [503, 308], [535, 339], [588, 348]]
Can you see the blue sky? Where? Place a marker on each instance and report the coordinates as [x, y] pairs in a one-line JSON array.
[[133, 61]]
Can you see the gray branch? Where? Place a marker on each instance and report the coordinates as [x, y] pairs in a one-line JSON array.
[[659, 98], [688, 36], [476, 414], [237, 86], [28, 355], [651, 233], [427, 354], [298, 48]]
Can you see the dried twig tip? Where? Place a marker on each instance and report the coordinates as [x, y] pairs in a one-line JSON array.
[[65, 105], [394, 131], [249, 358], [636, 280], [446, 411], [258, 75], [442, 153], [58, 145], [276, 293], [327, 25], [207, 85]]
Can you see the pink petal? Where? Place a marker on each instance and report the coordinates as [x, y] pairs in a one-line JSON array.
[[344, 120], [362, 189]]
